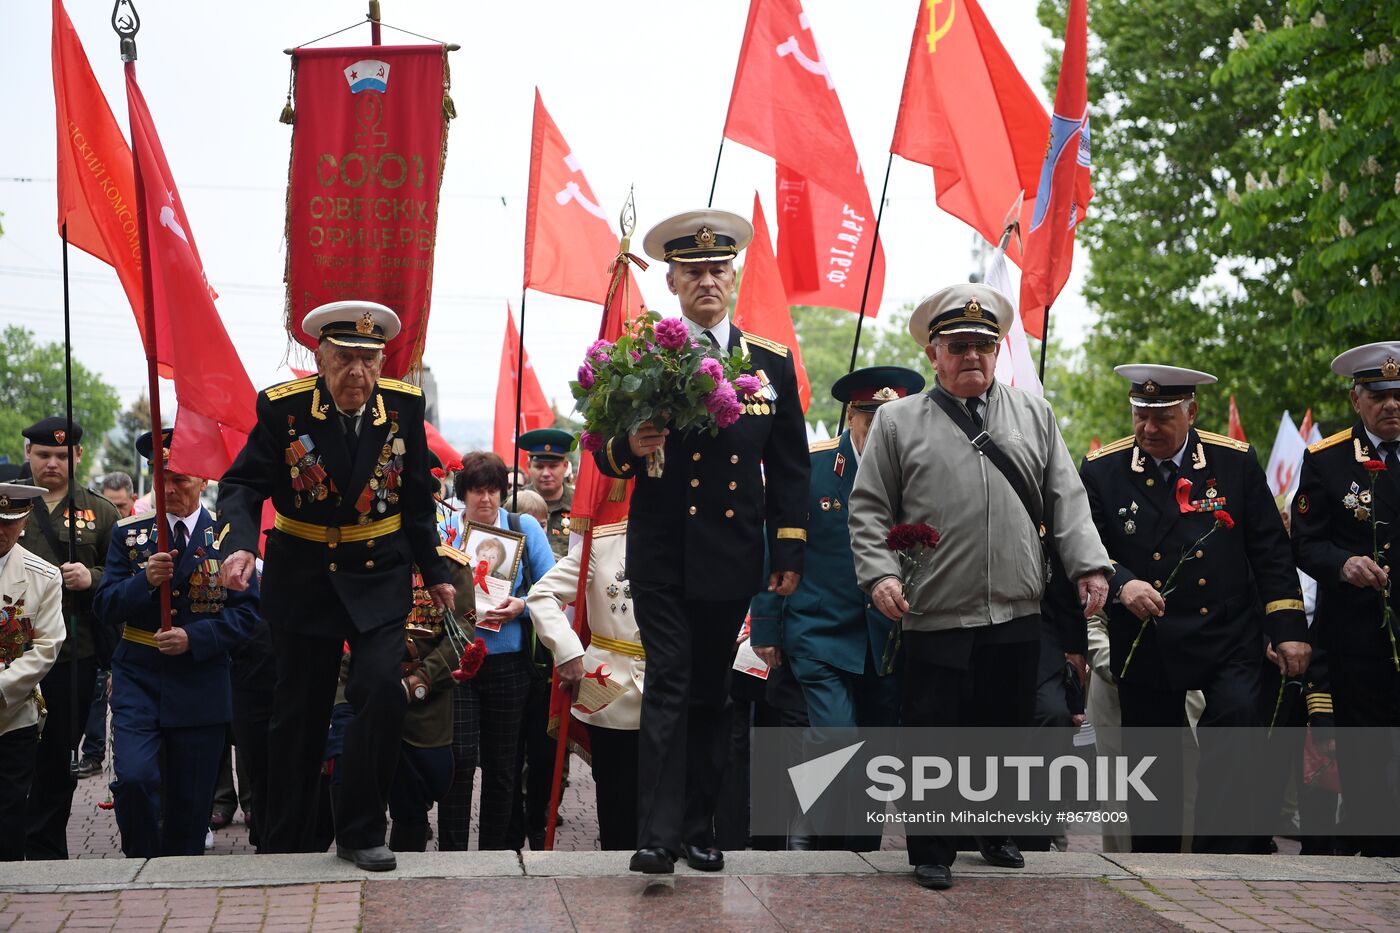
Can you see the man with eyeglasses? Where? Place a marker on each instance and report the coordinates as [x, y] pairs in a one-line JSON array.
[[984, 463]]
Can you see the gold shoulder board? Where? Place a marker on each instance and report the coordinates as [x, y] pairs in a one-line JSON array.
[[616, 528], [764, 342], [1338, 438], [452, 554], [132, 519], [1123, 443], [397, 386], [830, 443], [284, 389], [1220, 440]]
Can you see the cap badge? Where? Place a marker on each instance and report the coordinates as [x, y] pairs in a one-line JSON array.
[[705, 239], [1150, 388], [973, 308], [365, 325], [886, 394], [4, 502], [59, 436], [1390, 369]]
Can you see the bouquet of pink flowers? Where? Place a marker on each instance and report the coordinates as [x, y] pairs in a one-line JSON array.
[[656, 372]]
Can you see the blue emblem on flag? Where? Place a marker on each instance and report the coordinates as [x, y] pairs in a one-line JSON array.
[[1064, 132], [368, 75]]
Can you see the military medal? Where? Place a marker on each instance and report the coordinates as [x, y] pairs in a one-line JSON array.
[[826, 504]]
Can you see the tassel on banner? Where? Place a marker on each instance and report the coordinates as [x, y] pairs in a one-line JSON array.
[[288, 114]]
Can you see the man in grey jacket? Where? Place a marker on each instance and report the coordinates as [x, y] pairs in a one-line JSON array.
[[971, 618]]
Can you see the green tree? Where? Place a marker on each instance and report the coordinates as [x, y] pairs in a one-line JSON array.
[[32, 388], [825, 336], [120, 451], [1173, 273]]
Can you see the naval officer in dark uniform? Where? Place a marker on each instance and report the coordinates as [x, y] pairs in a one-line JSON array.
[[1343, 515], [1154, 494], [343, 457], [695, 546], [172, 698]]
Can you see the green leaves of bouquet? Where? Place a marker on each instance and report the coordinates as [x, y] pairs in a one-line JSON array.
[[657, 372]]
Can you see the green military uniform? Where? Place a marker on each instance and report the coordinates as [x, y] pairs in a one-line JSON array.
[[559, 521], [552, 444], [91, 536]]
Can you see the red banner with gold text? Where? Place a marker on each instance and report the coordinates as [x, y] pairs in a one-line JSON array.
[[368, 145]]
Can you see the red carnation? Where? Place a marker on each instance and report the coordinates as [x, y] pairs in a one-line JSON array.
[[454, 466], [1223, 519], [1374, 466], [470, 662], [437, 471], [904, 537]]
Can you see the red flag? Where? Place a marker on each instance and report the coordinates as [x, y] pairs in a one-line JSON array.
[[762, 307], [438, 445], [1063, 191], [569, 240], [967, 112], [1306, 427], [535, 410], [215, 396], [96, 187], [1095, 444], [784, 103], [1236, 429]]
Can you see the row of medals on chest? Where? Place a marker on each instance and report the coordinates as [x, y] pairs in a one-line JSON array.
[[619, 588], [1211, 502], [204, 590]]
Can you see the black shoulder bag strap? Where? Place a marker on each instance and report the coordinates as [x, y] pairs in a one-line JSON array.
[[44, 520], [981, 440]]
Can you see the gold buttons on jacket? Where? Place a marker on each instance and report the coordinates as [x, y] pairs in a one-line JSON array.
[[369, 543], [174, 592], [369, 565], [728, 513], [1200, 554], [1205, 611], [734, 485], [1157, 584], [692, 510], [733, 458], [332, 568], [1157, 555], [1201, 582], [694, 483], [695, 456]]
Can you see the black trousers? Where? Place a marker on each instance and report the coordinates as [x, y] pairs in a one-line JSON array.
[[979, 677], [254, 676], [308, 669], [529, 810], [422, 779], [1366, 692], [684, 737], [1232, 695], [51, 794], [614, 754], [17, 750]]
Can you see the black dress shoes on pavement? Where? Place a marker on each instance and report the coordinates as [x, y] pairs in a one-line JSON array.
[[704, 858], [655, 861], [1002, 854], [378, 858], [937, 877]]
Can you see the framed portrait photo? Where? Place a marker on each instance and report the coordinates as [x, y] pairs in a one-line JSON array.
[[494, 556]]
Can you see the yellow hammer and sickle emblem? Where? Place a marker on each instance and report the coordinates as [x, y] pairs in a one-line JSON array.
[[935, 31]]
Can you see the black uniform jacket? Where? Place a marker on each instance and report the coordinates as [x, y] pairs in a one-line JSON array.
[[701, 525], [1332, 515], [1232, 579], [297, 456]]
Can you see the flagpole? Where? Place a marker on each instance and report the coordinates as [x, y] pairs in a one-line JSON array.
[[519, 382], [127, 29], [374, 22], [714, 181], [869, 271], [1044, 339], [70, 618]]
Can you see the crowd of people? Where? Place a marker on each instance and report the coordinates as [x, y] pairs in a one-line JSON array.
[[399, 625]]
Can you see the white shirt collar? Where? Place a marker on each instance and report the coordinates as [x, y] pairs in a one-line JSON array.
[[353, 414], [1375, 440], [720, 330], [189, 521], [5, 559]]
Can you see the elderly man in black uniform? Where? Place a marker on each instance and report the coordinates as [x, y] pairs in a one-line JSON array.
[[1343, 516], [344, 459], [1154, 494], [695, 546]]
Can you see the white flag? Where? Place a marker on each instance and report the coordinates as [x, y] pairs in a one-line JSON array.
[[1286, 457], [1014, 364]]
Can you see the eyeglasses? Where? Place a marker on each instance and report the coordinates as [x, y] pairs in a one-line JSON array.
[[959, 347]]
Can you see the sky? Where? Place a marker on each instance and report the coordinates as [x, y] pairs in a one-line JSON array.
[[639, 90]]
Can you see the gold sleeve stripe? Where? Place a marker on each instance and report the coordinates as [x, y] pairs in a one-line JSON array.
[[1319, 703], [1279, 605], [282, 390], [792, 534], [1332, 441], [613, 460], [399, 386], [219, 541], [616, 528]]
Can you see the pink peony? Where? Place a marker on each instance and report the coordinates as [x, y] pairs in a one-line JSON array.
[[599, 351], [590, 441], [748, 384], [711, 367], [585, 376], [723, 403], [671, 333]]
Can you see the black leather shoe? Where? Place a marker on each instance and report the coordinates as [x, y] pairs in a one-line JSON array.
[[1003, 854], [804, 843], [653, 861], [706, 858], [378, 858], [937, 877]]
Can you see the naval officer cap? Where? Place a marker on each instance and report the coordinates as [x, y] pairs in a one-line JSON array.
[[359, 325], [1375, 366], [546, 443], [698, 236], [53, 432], [144, 445], [16, 500], [966, 308], [1155, 386], [869, 388]]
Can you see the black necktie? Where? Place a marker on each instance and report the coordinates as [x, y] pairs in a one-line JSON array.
[[974, 406], [349, 423], [1391, 458], [1169, 472], [711, 338], [180, 538]]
